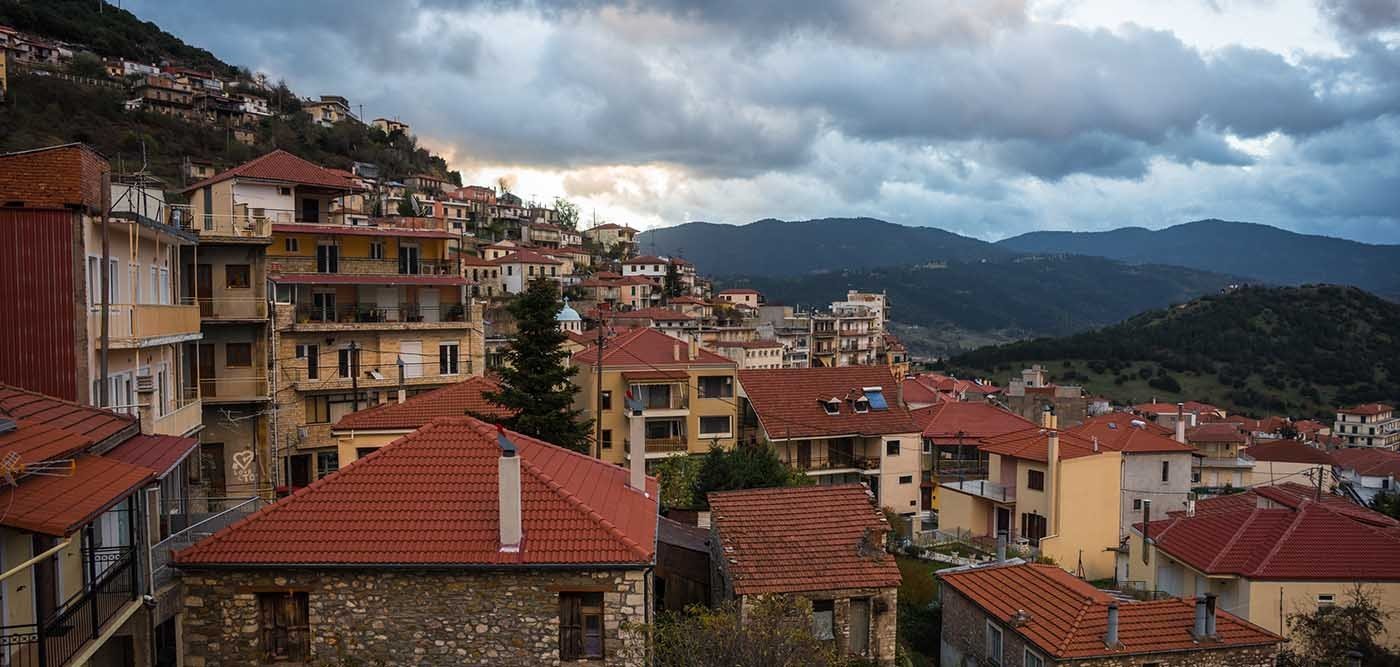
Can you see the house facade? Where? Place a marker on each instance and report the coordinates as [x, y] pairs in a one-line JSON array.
[[1368, 425]]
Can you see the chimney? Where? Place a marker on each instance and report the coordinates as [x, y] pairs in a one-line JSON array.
[[1001, 546], [676, 351], [1181, 423], [508, 474], [1110, 635], [1047, 417], [636, 436], [1052, 474], [694, 349], [1199, 629], [1096, 443], [1210, 615]]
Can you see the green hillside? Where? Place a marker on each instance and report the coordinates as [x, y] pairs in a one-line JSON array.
[[1298, 351]]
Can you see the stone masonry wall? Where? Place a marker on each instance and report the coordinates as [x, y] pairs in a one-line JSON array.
[[964, 643], [409, 617]]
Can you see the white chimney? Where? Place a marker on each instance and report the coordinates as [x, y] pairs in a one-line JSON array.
[[636, 435], [676, 351], [1110, 635], [1181, 423], [1052, 474], [508, 475]]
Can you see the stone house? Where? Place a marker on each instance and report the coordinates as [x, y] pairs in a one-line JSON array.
[[457, 544], [822, 543], [1016, 614]]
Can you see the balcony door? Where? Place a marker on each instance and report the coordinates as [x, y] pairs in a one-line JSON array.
[[310, 210], [408, 259], [204, 288], [327, 257], [207, 385], [804, 455]]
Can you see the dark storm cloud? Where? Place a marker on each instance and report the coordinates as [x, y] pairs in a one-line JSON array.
[[1362, 16]]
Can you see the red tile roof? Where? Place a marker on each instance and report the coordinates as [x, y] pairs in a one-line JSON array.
[[523, 256], [454, 400], [645, 259], [659, 314], [1068, 617], [431, 498], [788, 402], [648, 347], [1368, 462], [283, 167], [1033, 444], [916, 391], [1281, 533], [355, 230], [1117, 433], [60, 505], [771, 539], [1368, 409], [1226, 432], [970, 422], [365, 279], [739, 290], [1288, 451], [1157, 408], [160, 453], [78, 421]]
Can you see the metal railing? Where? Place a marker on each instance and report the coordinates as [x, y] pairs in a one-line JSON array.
[[667, 445], [81, 618], [836, 461], [223, 308], [221, 513], [366, 266], [984, 489], [365, 312], [235, 388]]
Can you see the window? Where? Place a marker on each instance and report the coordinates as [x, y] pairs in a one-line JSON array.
[[1033, 660], [906, 479], [238, 354], [376, 250], [993, 644], [891, 448], [715, 426], [1195, 477], [291, 244], [716, 386], [236, 276], [580, 626], [282, 622], [1137, 504], [327, 463], [312, 355], [284, 293], [447, 358], [607, 400], [349, 362], [327, 257], [823, 619], [285, 192], [861, 405], [607, 438], [1166, 471], [1035, 480], [1326, 600], [510, 270], [318, 409]]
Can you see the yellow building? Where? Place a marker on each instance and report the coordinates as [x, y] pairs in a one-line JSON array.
[[1221, 461], [687, 395], [360, 433], [839, 425], [1051, 491], [1272, 552]]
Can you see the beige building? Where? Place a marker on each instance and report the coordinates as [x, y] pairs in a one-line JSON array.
[[328, 110], [687, 395], [1369, 425], [611, 235], [839, 425], [752, 355]]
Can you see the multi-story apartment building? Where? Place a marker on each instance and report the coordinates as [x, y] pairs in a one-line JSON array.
[[1222, 461], [687, 395], [518, 268], [791, 329], [610, 235], [739, 296], [165, 95], [53, 250], [846, 335], [1369, 425], [839, 426], [328, 110], [952, 433], [753, 354], [360, 311], [651, 267]]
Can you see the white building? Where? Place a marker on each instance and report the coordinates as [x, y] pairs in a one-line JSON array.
[[1368, 425]]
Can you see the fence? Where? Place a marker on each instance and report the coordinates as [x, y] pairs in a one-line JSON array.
[[220, 513]]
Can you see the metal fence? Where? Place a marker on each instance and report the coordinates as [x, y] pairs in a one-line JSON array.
[[221, 513]]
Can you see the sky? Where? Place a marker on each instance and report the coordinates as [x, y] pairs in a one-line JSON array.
[[988, 118]]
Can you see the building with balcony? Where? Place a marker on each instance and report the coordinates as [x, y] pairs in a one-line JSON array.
[[1369, 425], [127, 344], [952, 434], [540, 556], [1364, 473], [1221, 462], [651, 267], [359, 433], [391, 125], [687, 395], [609, 236], [359, 312], [839, 426], [328, 110], [753, 354], [518, 268]]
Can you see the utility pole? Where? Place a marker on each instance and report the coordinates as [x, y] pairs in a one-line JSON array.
[[104, 391], [403, 393], [355, 374]]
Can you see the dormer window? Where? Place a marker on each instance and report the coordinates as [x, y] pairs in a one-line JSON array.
[[861, 405], [832, 406]]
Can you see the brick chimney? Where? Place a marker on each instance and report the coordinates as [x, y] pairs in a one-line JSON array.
[[508, 475]]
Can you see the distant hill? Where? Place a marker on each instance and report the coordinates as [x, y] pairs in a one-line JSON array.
[[1299, 351], [781, 248], [1016, 296], [1255, 251]]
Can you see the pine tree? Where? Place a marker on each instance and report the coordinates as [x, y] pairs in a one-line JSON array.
[[536, 378]]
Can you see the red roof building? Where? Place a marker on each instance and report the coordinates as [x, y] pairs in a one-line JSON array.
[[648, 347], [1001, 613], [967, 423], [1129, 435], [282, 167], [467, 397], [1288, 451]]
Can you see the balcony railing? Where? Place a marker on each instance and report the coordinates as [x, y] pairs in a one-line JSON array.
[[677, 398], [182, 420], [984, 489], [836, 461], [366, 266], [1226, 462], [364, 312], [131, 323], [233, 389], [79, 620], [192, 525], [667, 445], [219, 308]]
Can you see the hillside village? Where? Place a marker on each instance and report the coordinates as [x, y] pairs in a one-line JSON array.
[[272, 415]]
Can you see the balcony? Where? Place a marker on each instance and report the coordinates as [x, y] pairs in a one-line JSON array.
[[981, 488], [139, 325], [957, 468], [253, 309], [835, 460], [233, 389], [1243, 462], [182, 420], [71, 629], [659, 447], [661, 399], [364, 266], [194, 520], [243, 226], [310, 317]]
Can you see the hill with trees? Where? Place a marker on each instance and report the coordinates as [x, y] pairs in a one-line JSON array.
[[1298, 351], [1258, 252]]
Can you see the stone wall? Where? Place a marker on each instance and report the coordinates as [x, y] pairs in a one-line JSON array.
[[409, 617], [964, 643]]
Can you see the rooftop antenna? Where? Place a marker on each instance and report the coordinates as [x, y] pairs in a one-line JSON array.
[[12, 468]]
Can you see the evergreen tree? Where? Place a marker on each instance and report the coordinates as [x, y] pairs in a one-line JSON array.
[[408, 206], [536, 378], [747, 466], [672, 285]]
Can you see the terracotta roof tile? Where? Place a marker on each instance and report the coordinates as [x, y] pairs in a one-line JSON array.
[[788, 401], [771, 538], [648, 347], [60, 505], [523, 256], [1288, 451], [454, 400], [78, 421], [160, 453], [1033, 444], [1068, 617], [949, 423], [1369, 409], [281, 166], [1127, 435], [431, 498], [1368, 462], [916, 391]]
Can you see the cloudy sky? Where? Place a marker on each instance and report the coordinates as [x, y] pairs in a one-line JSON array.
[[985, 117]]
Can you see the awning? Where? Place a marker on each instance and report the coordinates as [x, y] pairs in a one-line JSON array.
[[352, 279], [60, 505], [656, 376], [160, 453]]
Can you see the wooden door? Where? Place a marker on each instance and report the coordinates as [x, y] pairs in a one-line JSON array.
[[860, 626], [299, 470], [207, 385], [204, 289], [804, 455]]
